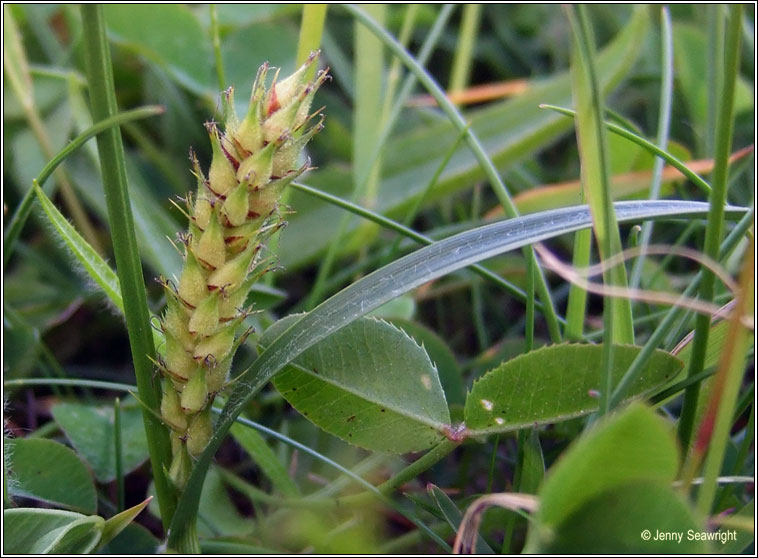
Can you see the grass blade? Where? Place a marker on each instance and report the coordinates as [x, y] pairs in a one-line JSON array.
[[650, 146], [593, 151], [715, 225], [719, 417], [664, 122], [311, 30]]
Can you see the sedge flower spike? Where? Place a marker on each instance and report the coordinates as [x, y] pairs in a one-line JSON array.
[[235, 209]]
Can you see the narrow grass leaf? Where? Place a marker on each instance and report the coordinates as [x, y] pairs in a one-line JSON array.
[[715, 224], [97, 268], [593, 151], [453, 515], [85, 255], [116, 524], [265, 458]]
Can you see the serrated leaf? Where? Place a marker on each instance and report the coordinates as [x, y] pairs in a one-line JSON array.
[[49, 471], [369, 384], [442, 357], [553, 384], [39, 531], [90, 430]]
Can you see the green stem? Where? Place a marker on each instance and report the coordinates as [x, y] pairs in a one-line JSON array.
[[715, 58], [118, 455], [664, 121], [576, 307], [436, 454], [459, 75], [128, 265], [715, 225], [529, 325], [720, 413], [593, 151]]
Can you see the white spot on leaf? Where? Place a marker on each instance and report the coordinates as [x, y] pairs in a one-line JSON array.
[[499, 421], [427, 381], [486, 404]]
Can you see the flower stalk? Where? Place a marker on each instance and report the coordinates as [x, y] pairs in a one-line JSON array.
[[233, 212]]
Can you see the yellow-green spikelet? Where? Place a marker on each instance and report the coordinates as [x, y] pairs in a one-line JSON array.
[[234, 210]]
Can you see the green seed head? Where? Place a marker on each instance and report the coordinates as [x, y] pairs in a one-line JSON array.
[[235, 210]]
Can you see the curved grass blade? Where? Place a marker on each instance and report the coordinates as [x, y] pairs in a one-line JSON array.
[[393, 280], [24, 208], [404, 230], [642, 142], [715, 225]]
